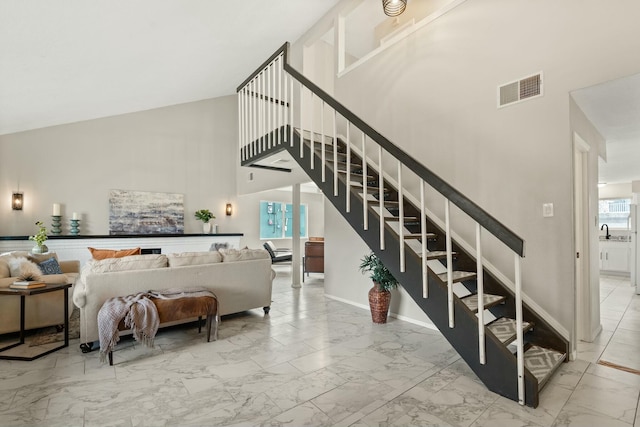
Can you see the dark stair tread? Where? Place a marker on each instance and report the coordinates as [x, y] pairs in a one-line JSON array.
[[542, 362], [397, 218], [419, 236], [505, 329], [489, 300], [438, 255], [458, 276], [390, 203], [358, 174]]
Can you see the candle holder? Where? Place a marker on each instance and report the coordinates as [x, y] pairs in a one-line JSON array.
[[75, 227], [55, 224]]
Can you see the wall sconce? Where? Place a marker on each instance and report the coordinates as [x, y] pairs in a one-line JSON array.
[[228, 210], [394, 7], [17, 201]]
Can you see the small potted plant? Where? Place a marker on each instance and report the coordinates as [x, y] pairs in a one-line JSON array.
[[40, 237], [205, 216], [383, 283]]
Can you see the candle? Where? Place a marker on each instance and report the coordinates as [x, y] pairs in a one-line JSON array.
[[75, 215], [56, 209]]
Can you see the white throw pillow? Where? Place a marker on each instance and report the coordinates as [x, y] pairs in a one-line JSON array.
[[193, 258], [23, 269], [230, 255]]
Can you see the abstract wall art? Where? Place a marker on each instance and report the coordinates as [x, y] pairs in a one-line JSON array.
[[143, 212]]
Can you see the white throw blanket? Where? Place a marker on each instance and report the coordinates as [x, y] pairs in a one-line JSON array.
[[139, 314]]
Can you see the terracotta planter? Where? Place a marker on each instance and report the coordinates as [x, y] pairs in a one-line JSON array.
[[379, 303]]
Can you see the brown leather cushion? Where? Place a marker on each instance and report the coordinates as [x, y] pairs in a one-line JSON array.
[[112, 253], [170, 310]]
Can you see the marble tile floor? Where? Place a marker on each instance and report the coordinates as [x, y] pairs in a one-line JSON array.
[[312, 361]]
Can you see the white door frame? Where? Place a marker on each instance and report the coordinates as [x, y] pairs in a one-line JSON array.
[[583, 295]]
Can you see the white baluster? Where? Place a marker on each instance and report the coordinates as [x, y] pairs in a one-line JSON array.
[[519, 332], [401, 213], [254, 118], [312, 133], [381, 196], [449, 264], [322, 142], [348, 192], [302, 109], [365, 184], [260, 109], [335, 154], [291, 111], [267, 104], [285, 100], [279, 104], [239, 100], [423, 230], [480, 285]]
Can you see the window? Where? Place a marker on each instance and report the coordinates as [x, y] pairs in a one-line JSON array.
[[276, 220], [614, 212]]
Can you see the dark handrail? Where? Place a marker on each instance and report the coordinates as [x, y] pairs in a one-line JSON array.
[[482, 217], [282, 49]]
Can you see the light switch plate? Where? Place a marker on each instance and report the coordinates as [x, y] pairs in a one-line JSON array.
[[547, 210]]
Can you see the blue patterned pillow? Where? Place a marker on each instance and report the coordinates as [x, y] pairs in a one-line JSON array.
[[50, 266]]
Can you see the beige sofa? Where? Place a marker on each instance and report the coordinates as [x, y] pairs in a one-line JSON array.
[[40, 310], [241, 280]]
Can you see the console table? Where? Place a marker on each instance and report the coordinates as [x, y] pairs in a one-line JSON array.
[[24, 293], [75, 247]]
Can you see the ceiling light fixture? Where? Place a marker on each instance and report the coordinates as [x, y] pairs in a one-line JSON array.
[[393, 7]]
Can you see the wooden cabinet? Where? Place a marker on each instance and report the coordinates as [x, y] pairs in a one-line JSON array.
[[313, 261]]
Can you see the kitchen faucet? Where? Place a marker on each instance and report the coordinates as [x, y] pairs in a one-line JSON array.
[[607, 236]]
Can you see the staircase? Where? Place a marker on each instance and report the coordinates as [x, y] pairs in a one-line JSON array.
[[393, 202]]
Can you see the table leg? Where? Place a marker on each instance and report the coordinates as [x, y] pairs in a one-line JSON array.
[[22, 324], [66, 317]]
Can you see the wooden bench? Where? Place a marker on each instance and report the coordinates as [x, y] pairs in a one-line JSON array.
[[176, 309]]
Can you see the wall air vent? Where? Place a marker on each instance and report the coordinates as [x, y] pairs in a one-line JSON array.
[[525, 88]]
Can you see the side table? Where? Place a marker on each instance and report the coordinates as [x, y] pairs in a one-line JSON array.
[[24, 293]]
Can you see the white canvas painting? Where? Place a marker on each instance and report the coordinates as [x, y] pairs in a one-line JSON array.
[[143, 212]]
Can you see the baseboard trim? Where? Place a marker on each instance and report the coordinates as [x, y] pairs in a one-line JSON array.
[[395, 315]]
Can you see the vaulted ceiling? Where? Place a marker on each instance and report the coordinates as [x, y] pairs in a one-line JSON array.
[[73, 60]]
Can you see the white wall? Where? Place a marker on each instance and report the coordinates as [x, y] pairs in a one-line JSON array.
[[616, 191], [344, 250], [434, 94], [188, 148]]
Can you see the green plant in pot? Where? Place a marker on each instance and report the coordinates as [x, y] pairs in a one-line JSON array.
[[40, 237], [205, 216], [383, 283]]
